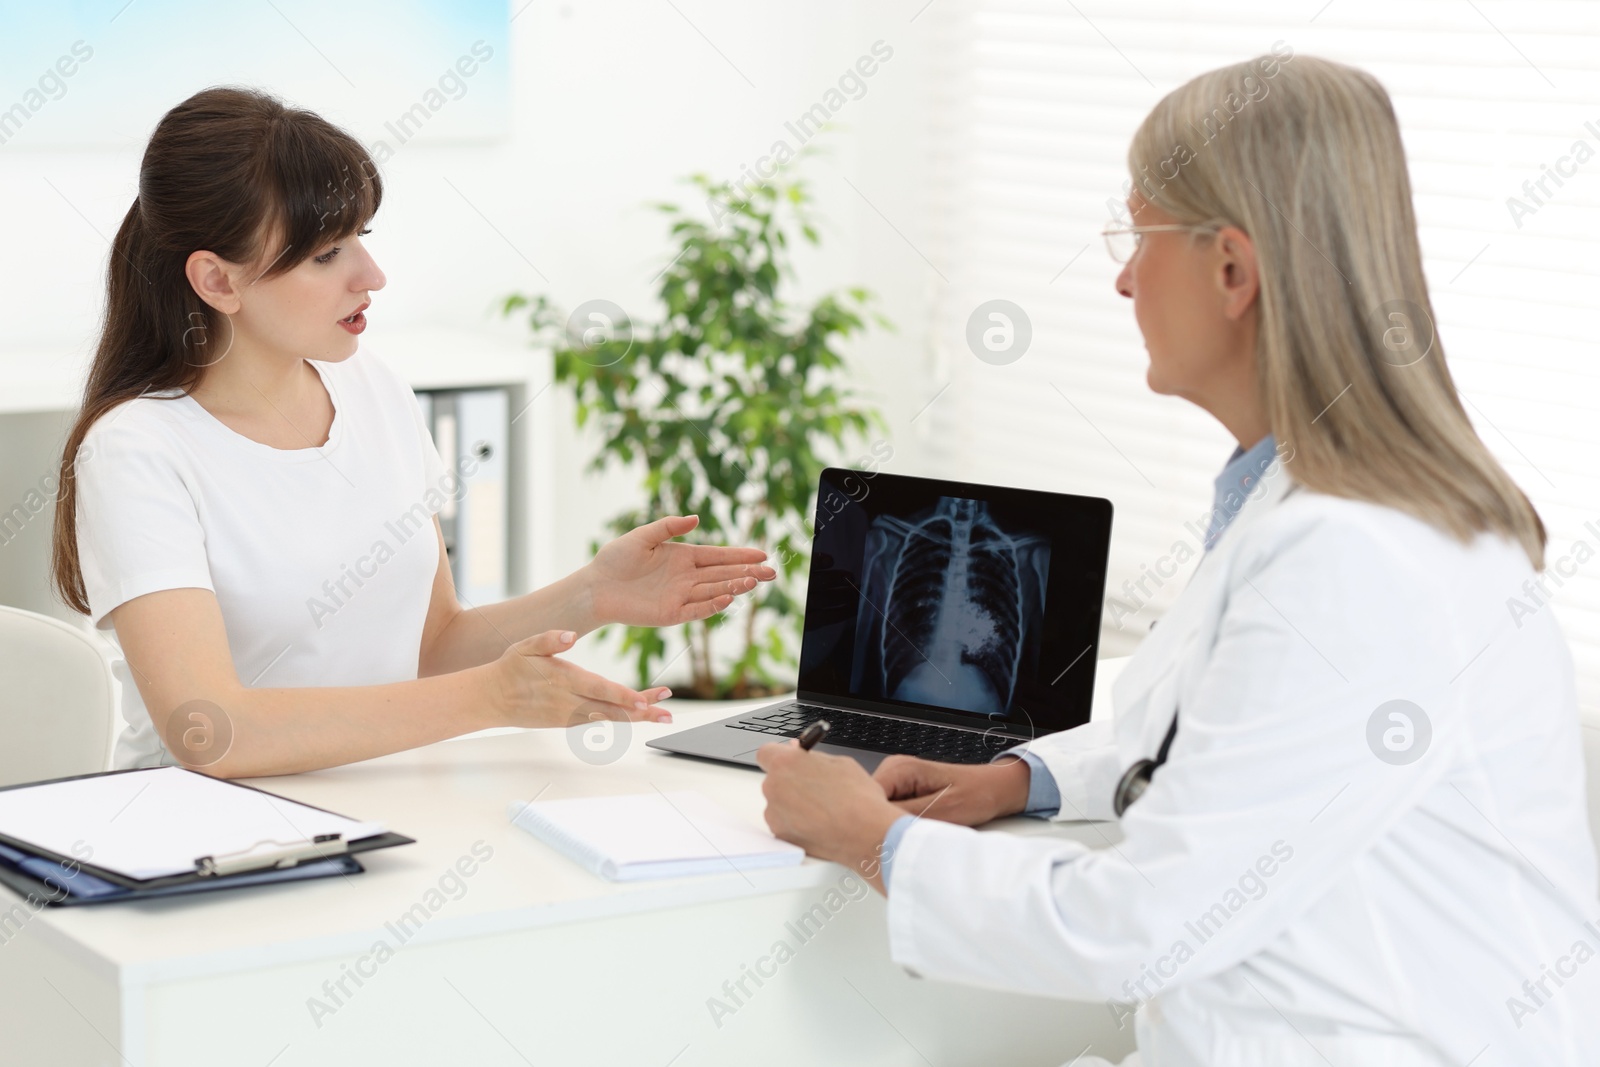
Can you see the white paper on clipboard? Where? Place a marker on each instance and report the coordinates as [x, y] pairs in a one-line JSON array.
[[147, 824]]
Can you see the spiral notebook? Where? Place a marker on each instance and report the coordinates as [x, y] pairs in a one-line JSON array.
[[652, 835]]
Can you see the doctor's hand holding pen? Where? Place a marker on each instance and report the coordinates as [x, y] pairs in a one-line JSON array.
[[831, 807]]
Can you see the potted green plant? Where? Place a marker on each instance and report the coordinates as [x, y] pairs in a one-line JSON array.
[[727, 400]]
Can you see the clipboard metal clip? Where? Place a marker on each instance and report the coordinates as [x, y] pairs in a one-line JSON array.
[[281, 854]]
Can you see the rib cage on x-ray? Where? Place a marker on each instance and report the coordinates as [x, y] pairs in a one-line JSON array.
[[950, 601]]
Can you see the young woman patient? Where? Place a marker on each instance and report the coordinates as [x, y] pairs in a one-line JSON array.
[[249, 498]]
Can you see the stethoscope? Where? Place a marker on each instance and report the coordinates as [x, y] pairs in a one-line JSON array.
[[1136, 779]]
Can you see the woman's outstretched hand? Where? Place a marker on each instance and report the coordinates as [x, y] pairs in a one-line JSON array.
[[644, 578]]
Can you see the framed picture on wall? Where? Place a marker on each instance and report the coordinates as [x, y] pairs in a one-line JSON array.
[[100, 73]]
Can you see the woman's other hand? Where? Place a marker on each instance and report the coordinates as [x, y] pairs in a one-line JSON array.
[[532, 686]]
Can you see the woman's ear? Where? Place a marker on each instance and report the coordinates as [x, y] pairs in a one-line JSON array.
[[212, 280], [1238, 279]]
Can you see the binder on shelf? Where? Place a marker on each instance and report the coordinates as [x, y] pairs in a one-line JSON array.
[[134, 834], [472, 430]]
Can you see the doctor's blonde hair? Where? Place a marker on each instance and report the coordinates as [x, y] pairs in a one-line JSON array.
[[1304, 155]]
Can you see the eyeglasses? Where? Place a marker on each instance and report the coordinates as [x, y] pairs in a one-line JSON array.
[[1123, 241]]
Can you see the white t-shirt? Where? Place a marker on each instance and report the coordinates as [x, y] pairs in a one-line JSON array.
[[322, 559]]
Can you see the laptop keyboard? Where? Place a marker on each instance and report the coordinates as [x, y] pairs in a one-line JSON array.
[[876, 733]]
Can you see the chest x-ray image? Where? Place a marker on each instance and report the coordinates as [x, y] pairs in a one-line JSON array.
[[951, 609]]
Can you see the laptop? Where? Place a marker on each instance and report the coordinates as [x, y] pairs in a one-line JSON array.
[[944, 619]]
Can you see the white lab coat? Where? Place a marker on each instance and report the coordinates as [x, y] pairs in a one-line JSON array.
[[1282, 895]]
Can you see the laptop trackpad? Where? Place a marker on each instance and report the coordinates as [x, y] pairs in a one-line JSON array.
[[869, 760]]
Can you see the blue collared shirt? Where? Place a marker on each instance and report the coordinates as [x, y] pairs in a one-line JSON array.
[[1239, 478], [1237, 482]]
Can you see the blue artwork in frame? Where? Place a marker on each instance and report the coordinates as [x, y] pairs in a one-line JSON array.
[[101, 73]]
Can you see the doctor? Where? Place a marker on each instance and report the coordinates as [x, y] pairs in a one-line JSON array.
[[1367, 843]]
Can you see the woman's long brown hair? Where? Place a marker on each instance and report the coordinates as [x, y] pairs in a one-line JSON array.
[[230, 171]]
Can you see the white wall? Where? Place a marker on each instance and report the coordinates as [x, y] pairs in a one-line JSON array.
[[612, 103]]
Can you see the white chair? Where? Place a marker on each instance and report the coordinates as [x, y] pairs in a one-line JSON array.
[[58, 712]]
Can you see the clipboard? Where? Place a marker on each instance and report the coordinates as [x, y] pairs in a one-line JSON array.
[[60, 890], [41, 874]]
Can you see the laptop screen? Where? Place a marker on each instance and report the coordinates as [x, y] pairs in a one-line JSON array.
[[958, 602]]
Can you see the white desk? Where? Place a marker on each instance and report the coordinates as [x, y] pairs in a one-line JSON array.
[[532, 960]]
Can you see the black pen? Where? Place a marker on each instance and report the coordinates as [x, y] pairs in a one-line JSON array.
[[814, 733]]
